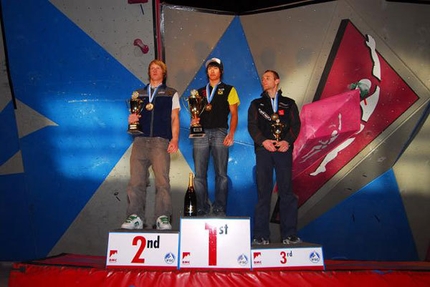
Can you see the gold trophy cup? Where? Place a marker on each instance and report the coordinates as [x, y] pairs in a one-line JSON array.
[[196, 105], [277, 127], [135, 106]]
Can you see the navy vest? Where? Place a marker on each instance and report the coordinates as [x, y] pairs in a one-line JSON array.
[[158, 121]]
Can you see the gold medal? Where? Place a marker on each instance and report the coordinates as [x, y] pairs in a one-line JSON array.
[[208, 107], [149, 106]]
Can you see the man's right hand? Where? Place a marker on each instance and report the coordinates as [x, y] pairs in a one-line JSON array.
[[270, 145], [132, 118], [195, 121]]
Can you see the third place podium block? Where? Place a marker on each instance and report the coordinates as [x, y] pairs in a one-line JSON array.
[[300, 256], [215, 243]]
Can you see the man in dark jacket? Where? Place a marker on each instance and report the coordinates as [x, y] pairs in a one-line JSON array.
[[274, 125]]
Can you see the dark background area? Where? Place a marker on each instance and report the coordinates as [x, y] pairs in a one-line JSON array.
[[243, 7]]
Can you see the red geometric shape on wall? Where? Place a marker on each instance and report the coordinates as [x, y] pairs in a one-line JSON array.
[[354, 57]]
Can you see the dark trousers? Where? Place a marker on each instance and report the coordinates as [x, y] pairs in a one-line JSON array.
[[281, 164]]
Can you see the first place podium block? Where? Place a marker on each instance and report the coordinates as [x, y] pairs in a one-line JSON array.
[[150, 249], [215, 243]]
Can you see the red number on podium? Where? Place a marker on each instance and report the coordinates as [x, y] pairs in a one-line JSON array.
[[283, 258], [141, 242], [212, 244]]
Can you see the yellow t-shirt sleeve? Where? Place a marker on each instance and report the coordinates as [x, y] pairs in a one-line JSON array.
[[233, 97]]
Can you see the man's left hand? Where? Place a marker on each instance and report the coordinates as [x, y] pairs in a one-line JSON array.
[[283, 146], [228, 140]]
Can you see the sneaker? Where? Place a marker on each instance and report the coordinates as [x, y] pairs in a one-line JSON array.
[[260, 241], [133, 222], [163, 223], [292, 239]]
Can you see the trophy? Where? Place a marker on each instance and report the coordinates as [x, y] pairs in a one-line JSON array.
[[135, 106], [196, 106], [276, 128]]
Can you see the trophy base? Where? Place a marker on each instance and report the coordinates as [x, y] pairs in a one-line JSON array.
[[134, 130], [196, 132], [194, 136]]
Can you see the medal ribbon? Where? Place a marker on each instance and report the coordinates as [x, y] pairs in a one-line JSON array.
[[150, 94], [211, 95], [274, 102]]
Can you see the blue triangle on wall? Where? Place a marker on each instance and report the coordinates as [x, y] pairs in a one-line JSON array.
[[369, 225], [65, 76]]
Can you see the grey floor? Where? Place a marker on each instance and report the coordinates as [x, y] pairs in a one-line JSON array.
[[4, 273]]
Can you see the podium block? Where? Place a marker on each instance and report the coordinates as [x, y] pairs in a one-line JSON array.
[[152, 249], [215, 243], [303, 256]]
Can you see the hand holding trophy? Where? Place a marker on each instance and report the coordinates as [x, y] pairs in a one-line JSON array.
[[277, 127], [135, 106], [196, 106]]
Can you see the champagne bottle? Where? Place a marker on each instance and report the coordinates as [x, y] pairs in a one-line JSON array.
[[190, 200]]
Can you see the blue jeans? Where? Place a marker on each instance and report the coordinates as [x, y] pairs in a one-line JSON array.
[[211, 144], [146, 152], [281, 163]]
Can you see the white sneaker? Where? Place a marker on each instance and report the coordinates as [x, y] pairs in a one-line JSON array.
[[163, 223], [132, 222]]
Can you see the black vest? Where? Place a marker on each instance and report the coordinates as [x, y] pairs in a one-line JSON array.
[[218, 116]]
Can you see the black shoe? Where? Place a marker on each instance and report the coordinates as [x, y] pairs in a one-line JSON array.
[[202, 213], [292, 239], [219, 214], [260, 241]]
